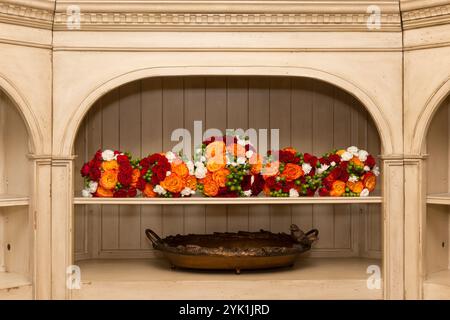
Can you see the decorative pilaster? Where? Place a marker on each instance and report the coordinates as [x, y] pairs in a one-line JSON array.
[[415, 208], [393, 223], [62, 216], [41, 222]]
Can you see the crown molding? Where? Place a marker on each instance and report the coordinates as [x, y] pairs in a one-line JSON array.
[[227, 15], [29, 13], [420, 13]]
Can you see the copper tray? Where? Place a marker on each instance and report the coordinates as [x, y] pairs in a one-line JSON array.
[[234, 251]]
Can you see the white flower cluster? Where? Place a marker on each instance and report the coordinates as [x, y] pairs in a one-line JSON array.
[[361, 155]]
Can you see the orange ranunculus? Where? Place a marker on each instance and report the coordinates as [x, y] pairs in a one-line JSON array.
[[340, 152], [191, 182], [357, 162], [215, 149], [180, 168], [108, 180], [210, 187], [256, 163], [337, 188], [104, 193], [110, 165], [236, 150], [292, 171], [270, 169], [220, 176], [173, 183], [356, 187], [148, 191], [206, 178], [370, 181], [135, 175], [215, 164]]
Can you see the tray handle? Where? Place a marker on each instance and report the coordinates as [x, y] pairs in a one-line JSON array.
[[312, 235], [153, 237]]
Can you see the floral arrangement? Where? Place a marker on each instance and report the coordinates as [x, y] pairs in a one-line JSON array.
[[228, 166], [166, 175], [348, 173], [110, 174], [292, 175]]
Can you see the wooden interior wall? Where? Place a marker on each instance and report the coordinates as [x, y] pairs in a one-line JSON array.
[[438, 224], [14, 171], [139, 117]]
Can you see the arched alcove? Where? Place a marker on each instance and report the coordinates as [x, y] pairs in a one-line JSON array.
[[312, 115]]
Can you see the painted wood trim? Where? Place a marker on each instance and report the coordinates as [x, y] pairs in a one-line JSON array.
[[14, 201], [439, 198]]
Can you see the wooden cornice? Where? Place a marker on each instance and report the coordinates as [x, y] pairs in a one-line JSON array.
[[424, 13], [29, 13]]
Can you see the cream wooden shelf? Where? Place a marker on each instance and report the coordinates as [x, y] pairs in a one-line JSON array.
[[13, 200], [310, 278], [15, 286], [203, 200], [437, 285], [439, 198]]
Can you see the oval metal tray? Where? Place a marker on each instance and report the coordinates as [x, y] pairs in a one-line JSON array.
[[234, 251]]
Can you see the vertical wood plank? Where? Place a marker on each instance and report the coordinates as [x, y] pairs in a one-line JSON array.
[[130, 141], [259, 111], [80, 211], [280, 118], [173, 118], [194, 110], [151, 142]]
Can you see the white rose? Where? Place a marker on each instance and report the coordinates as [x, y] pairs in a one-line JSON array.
[[293, 193], [86, 193], [376, 171], [333, 163], [366, 168], [353, 150], [353, 178], [249, 154], [346, 156], [190, 166], [159, 190], [170, 156], [186, 192], [200, 172], [362, 155], [322, 169], [108, 155], [241, 160], [168, 173], [364, 193], [199, 164], [92, 186], [306, 168], [247, 193], [202, 158]]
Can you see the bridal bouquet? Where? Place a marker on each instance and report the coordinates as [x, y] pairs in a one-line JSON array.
[[110, 174], [228, 166], [348, 173]]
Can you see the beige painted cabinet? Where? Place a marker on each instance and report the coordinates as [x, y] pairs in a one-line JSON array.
[[125, 74]]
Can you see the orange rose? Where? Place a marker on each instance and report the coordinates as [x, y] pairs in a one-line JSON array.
[[108, 179], [370, 181], [191, 182], [148, 191], [215, 149], [356, 187], [256, 163], [104, 193], [270, 169], [340, 152], [210, 187], [236, 149], [110, 165], [220, 176], [338, 188], [266, 190], [213, 165], [292, 171], [357, 162], [135, 175], [173, 183], [180, 169]]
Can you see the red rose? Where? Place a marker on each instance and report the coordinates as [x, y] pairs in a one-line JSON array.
[[123, 160], [307, 157], [324, 161], [98, 156], [124, 178], [323, 192], [116, 152], [336, 173], [144, 163], [344, 176], [270, 182], [334, 158], [310, 192], [246, 183], [140, 185], [313, 161], [85, 170], [121, 193], [132, 192], [328, 182], [370, 161], [258, 185], [286, 156], [312, 172], [95, 174], [126, 168]]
